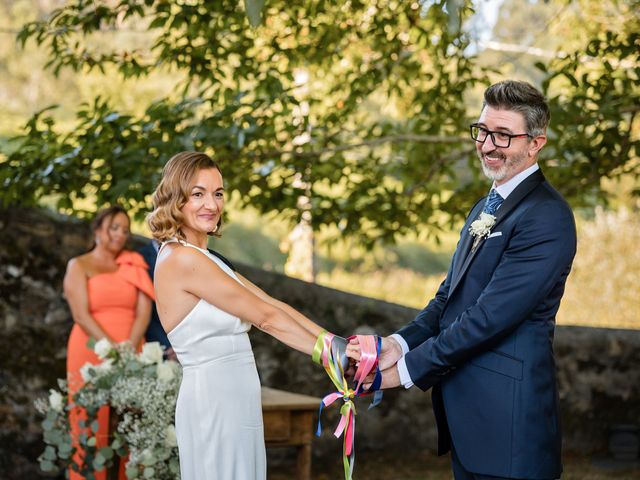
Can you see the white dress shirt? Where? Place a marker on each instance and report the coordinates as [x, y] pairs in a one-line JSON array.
[[504, 190]]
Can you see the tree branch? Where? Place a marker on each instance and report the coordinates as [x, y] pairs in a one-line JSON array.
[[408, 138]]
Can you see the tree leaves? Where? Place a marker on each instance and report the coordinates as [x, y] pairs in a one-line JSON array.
[[360, 105], [593, 96]]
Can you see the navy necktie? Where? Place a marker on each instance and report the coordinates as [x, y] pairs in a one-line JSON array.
[[494, 200]]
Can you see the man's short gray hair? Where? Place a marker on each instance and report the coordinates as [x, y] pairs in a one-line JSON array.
[[520, 97]]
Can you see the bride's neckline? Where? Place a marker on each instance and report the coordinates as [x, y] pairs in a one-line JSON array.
[[184, 242]]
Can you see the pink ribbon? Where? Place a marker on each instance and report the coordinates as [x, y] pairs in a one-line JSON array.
[[369, 351]]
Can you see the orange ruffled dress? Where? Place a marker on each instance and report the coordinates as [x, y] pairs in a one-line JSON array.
[[112, 303]]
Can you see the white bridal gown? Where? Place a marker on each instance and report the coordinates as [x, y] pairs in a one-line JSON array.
[[218, 412]]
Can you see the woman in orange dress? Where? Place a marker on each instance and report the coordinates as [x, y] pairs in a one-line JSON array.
[[109, 293]]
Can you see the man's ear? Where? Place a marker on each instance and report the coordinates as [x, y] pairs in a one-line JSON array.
[[536, 145]]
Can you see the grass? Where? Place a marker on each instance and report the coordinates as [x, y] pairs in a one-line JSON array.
[[603, 288]]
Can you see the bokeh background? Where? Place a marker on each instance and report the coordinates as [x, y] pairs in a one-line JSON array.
[[341, 129]]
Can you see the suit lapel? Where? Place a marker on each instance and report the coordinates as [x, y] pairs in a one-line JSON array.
[[466, 241], [521, 191]]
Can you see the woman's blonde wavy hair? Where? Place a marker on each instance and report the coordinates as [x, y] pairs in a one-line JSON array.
[[173, 192]]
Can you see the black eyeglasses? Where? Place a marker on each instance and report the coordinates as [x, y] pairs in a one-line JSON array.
[[499, 139]]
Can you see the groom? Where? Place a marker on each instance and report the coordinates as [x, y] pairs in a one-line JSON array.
[[484, 342]]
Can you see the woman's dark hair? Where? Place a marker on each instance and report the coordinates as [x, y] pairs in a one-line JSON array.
[[102, 216]]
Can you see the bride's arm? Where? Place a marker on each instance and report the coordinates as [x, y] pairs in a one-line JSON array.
[[191, 271], [305, 322]]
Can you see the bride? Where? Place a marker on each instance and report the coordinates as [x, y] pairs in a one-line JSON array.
[[206, 308]]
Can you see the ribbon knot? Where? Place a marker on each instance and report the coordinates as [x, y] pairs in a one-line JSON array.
[[348, 395], [333, 359]]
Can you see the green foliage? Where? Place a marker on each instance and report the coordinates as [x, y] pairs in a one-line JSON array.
[[359, 106], [595, 113], [250, 245], [251, 239], [592, 80], [368, 172], [141, 390]]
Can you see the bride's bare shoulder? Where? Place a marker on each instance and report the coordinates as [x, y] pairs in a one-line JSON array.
[[176, 257]]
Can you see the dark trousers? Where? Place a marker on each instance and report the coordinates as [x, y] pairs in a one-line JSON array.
[[459, 472]]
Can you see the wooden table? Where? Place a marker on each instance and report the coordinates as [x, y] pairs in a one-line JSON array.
[[288, 421]]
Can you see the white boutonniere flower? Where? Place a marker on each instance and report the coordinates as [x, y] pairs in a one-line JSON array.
[[481, 228]]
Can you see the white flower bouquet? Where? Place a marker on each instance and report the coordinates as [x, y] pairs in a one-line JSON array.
[[141, 390]]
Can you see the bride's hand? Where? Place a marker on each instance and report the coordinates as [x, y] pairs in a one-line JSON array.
[[353, 350]]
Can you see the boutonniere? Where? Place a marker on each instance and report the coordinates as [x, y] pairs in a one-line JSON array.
[[481, 228]]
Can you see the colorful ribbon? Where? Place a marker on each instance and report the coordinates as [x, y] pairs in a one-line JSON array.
[[331, 352]]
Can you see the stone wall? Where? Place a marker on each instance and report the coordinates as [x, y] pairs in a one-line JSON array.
[[598, 369]]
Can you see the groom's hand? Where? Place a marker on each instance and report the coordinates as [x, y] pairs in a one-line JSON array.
[[390, 378], [390, 353]]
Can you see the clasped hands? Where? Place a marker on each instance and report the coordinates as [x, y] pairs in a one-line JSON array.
[[390, 353]]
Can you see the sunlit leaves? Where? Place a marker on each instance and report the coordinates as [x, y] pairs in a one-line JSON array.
[[381, 80], [595, 111], [360, 105]]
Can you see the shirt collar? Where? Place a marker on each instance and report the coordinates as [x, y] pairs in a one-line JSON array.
[[506, 188]]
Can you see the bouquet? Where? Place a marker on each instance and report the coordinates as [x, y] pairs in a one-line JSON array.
[[141, 389]]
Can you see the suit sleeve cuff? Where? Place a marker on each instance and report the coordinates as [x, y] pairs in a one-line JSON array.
[[403, 343], [405, 379]]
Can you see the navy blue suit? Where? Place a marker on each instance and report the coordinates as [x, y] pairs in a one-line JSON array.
[[484, 343], [155, 332]]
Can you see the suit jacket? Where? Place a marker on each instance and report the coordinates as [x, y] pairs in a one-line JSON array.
[[155, 332], [485, 340]]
